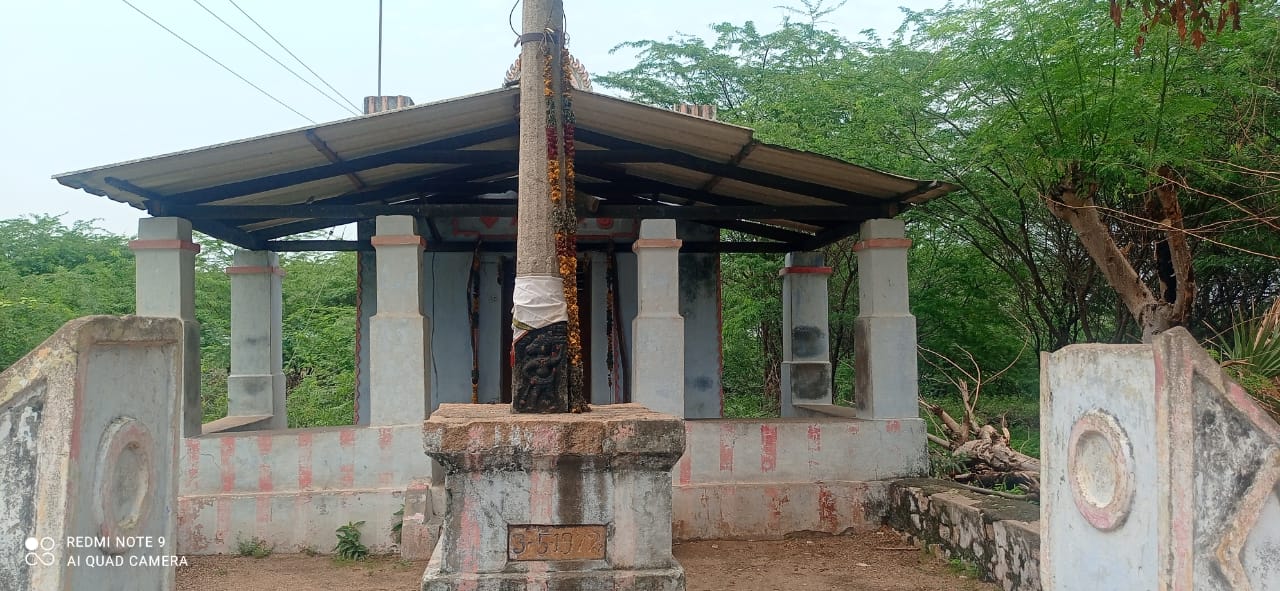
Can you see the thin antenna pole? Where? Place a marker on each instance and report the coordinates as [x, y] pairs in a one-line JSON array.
[[379, 47]]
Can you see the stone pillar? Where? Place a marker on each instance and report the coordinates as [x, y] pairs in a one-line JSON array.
[[256, 384], [165, 286], [657, 348], [806, 333], [399, 334], [887, 383]]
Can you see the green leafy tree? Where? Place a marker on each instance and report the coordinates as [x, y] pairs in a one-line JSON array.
[[1144, 158], [51, 273]]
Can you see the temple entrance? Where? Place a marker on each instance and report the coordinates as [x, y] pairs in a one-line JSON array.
[[508, 269]]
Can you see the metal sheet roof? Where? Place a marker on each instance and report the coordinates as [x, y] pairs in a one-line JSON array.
[[445, 155]]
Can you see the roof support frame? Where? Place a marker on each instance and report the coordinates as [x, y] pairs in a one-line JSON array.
[[315, 173], [399, 190], [729, 171], [688, 247], [507, 208], [216, 229]]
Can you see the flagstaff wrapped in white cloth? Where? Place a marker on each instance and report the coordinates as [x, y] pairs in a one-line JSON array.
[[539, 302]]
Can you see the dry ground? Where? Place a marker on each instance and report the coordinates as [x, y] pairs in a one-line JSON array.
[[871, 562]]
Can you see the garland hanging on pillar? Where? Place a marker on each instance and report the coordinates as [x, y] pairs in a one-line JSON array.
[[615, 365], [560, 176], [473, 308]]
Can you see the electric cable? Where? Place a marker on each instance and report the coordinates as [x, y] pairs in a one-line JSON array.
[[293, 55], [215, 60], [273, 58]]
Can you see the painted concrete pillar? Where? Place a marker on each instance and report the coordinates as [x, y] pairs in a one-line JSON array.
[[366, 307], [399, 334], [657, 368], [887, 383], [165, 286], [256, 384], [806, 333]]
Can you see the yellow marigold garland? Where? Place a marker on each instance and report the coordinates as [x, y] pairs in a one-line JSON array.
[[564, 218]]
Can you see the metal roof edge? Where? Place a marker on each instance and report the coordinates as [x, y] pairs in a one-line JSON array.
[[64, 176]]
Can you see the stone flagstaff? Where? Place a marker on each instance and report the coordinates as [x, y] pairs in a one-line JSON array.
[[547, 372]]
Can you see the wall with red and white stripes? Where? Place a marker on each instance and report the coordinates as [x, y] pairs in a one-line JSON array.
[[748, 479]]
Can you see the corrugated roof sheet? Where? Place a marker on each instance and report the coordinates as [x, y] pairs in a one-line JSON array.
[[694, 160]]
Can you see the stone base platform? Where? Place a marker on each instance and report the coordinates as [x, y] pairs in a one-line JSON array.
[[555, 502], [671, 579]]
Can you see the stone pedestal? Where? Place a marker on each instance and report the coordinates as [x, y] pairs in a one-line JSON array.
[[560, 501]]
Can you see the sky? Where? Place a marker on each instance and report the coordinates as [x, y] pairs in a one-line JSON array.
[[85, 83]]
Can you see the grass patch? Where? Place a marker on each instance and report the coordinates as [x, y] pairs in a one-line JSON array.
[[254, 547], [748, 405], [963, 567]]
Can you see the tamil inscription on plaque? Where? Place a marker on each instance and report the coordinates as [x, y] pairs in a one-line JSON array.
[[555, 542]]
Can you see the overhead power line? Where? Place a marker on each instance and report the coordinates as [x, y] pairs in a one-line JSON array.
[[273, 58], [215, 60], [294, 56]]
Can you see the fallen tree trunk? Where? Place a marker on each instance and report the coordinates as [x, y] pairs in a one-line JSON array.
[[991, 462], [985, 460]]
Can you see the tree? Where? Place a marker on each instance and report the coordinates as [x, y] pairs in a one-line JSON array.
[[1132, 152], [1194, 16], [809, 88], [51, 273]]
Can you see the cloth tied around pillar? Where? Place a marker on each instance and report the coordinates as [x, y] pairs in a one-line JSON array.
[[538, 302]]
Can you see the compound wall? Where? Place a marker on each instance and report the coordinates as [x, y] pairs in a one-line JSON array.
[[293, 488], [1158, 472], [89, 430]]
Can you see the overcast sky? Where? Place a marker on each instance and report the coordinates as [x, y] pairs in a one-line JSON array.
[[85, 83]]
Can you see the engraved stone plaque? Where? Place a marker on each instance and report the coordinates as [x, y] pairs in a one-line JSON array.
[[555, 542]]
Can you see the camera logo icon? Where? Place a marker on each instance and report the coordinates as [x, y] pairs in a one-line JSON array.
[[39, 551]]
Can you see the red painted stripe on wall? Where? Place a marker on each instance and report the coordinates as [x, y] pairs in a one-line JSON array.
[[222, 518], [814, 446], [827, 515], [347, 438], [228, 466], [264, 469], [726, 447], [304, 461], [193, 462], [686, 462], [768, 448]]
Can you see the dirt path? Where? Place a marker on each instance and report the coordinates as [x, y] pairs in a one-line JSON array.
[[872, 562]]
